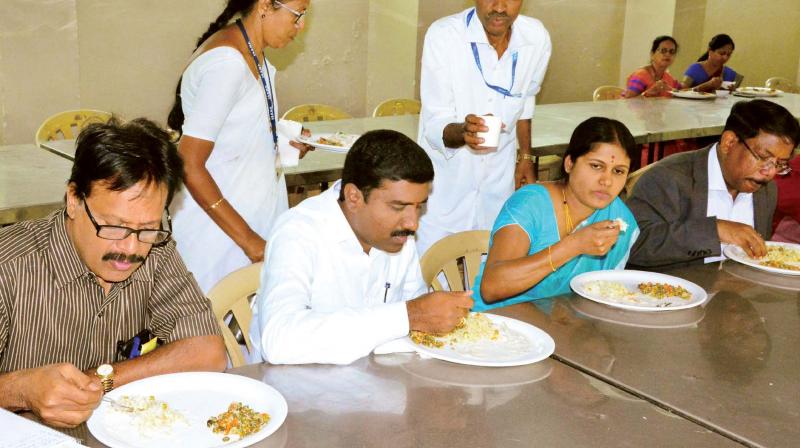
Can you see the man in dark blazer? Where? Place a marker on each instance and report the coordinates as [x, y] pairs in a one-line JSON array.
[[688, 204]]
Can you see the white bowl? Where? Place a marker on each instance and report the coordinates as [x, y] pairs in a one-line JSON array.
[[723, 93]]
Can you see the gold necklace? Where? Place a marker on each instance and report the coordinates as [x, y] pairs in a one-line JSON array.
[[567, 216]]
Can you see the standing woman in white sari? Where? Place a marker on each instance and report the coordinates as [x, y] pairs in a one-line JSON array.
[[225, 107]]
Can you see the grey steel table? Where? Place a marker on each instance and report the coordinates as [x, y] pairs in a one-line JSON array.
[[731, 366], [401, 400]]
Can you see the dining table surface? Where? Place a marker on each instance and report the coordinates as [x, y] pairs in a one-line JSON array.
[[723, 373], [650, 120]]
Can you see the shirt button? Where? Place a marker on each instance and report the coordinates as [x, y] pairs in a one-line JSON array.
[[101, 314]]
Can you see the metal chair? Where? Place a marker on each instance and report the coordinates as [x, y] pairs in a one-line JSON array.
[[604, 93], [230, 300], [397, 106], [776, 82], [458, 257], [315, 112], [68, 124]]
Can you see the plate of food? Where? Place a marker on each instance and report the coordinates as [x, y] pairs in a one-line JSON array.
[[487, 340], [638, 290], [197, 409], [692, 95], [335, 142], [757, 92], [782, 258]]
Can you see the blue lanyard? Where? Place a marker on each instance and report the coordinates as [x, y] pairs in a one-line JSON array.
[[498, 89], [264, 80]]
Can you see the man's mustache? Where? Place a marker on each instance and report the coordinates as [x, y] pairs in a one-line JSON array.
[[404, 232], [115, 256], [492, 15]]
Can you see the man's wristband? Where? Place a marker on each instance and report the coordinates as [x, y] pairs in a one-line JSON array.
[[521, 157]]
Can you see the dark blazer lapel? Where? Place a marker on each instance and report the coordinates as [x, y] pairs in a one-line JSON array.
[[700, 176]]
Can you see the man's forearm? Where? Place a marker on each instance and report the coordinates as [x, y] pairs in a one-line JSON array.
[[199, 353], [524, 136]]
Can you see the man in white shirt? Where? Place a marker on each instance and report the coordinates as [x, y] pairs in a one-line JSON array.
[[341, 275], [485, 60], [689, 204]]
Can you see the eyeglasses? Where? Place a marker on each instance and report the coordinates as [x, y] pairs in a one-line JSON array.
[[297, 14], [149, 236], [768, 163], [667, 50]]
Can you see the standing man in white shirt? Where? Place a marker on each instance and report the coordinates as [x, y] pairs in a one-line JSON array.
[[341, 275], [691, 203], [485, 60]]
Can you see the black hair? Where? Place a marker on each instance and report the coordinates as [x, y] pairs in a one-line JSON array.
[[600, 130], [747, 118], [717, 42], [657, 41], [122, 155], [232, 8], [384, 155]]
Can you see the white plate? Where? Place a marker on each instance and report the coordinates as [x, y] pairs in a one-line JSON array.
[[758, 91], [763, 278], [198, 396], [349, 139], [692, 95], [736, 253], [631, 279], [676, 319], [495, 353]]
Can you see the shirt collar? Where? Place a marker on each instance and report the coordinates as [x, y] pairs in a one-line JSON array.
[[716, 182], [67, 266], [339, 229], [475, 32]]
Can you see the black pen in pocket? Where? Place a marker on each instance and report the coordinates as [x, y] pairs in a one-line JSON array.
[[386, 291]]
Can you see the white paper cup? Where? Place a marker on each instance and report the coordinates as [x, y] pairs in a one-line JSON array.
[[491, 138], [727, 84], [723, 93]]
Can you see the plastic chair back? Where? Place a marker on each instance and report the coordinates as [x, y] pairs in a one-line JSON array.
[[230, 300], [776, 82], [315, 112], [604, 93], [397, 106], [458, 257], [68, 124]]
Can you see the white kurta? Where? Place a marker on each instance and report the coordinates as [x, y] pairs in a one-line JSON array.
[[322, 298], [469, 188], [224, 103]]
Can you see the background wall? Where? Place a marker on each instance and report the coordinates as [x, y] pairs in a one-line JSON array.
[[126, 56]]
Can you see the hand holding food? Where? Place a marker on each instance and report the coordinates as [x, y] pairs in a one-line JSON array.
[[60, 394], [742, 235], [596, 239], [438, 312]]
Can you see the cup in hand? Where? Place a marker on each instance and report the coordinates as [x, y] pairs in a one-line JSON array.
[[727, 84], [491, 138]]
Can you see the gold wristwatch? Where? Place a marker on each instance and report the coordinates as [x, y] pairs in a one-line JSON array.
[[521, 157], [106, 374]]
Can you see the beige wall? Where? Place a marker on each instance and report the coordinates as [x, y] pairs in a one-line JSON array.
[[766, 36], [688, 31], [644, 20], [126, 56], [392, 51]]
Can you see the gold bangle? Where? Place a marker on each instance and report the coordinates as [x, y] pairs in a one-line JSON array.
[[521, 157], [550, 259], [215, 205]]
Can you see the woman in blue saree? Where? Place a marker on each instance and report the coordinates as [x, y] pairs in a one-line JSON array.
[[548, 233]]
